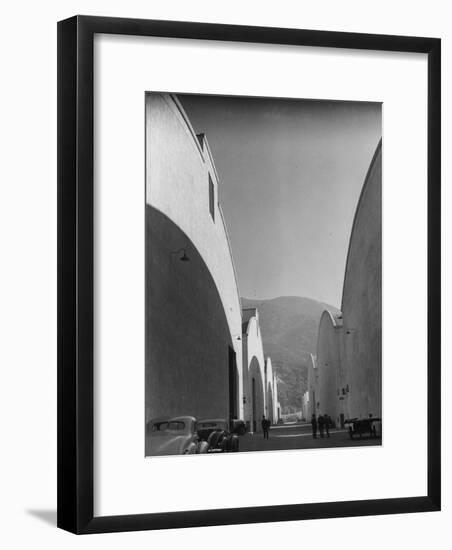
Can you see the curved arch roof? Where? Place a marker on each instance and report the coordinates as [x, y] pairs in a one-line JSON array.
[[358, 206]]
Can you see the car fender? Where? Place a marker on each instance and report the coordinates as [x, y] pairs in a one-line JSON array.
[[190, 449], [202, 447]]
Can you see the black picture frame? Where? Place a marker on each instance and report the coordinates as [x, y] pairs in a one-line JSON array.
[[75, 273]]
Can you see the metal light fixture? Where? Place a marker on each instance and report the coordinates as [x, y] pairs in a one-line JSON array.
[[184, 257]]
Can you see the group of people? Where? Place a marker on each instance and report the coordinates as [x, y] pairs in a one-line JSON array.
[[323, 423]]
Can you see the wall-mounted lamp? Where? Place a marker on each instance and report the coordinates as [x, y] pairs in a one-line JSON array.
[[184, 257], [244, 400]]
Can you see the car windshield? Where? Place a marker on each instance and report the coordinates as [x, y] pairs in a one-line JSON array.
[[212, 425], [207, 425], [177, 425]]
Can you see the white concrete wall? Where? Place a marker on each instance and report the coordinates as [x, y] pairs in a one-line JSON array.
[[305, 405], [174, 154], [252, 346], [271, 408], [253, 351], [275, 398], [329, 367], [312, 386]]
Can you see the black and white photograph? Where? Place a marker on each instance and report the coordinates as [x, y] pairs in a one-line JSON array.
[[225, 263], [263, 274]]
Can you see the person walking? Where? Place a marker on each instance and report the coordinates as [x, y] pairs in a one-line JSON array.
[[321, 423], [314, 426], [264, 424], [327, 425]]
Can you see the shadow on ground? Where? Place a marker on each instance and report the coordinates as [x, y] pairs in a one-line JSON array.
[[47, 516]]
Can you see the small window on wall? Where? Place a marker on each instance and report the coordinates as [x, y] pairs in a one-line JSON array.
[[211, 198]]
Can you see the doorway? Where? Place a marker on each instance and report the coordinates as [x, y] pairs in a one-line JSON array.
[[253, 400], [233, 385]]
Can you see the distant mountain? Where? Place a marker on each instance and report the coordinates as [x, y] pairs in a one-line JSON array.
[[289, 326]]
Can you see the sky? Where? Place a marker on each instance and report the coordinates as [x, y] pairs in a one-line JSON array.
[[291, 172]]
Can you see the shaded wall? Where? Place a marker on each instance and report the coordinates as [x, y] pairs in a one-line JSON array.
[[329, 366], [188, 341], [270, 404], [256, 395]]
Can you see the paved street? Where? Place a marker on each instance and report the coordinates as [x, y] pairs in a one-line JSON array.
[[299, 436]]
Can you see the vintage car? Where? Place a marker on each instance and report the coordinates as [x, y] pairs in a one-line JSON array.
[[359, 427], [173, 436], [238, 426], [217, 435]]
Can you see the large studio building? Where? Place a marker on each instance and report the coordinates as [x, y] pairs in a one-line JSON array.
[[309, 398], [193, 326]]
